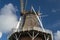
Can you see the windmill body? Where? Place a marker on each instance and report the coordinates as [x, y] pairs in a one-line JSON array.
[[29, 27]]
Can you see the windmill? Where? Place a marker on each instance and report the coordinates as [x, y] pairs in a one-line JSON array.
[[29, 26]]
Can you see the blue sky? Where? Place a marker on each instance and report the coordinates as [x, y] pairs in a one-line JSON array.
[[47, 7]]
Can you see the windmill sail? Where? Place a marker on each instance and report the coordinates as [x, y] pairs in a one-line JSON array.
[[22, 5]]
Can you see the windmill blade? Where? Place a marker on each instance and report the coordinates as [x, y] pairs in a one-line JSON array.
[[26, 4], [18, 23], [41, 13], [38, 19], [39, 10], [22, 5]]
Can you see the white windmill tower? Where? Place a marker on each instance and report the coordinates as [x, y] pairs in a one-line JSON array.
[[29, 26]]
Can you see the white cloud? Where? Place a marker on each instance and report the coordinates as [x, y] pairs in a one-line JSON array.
[[53, 10], [48, 31], [0, 34], [57, 35], [8, 19]]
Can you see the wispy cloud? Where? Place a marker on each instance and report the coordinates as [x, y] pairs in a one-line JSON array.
[[56, 24], [54, 10], [8, 19], [51, 0], [57, 35], [0, 34]]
